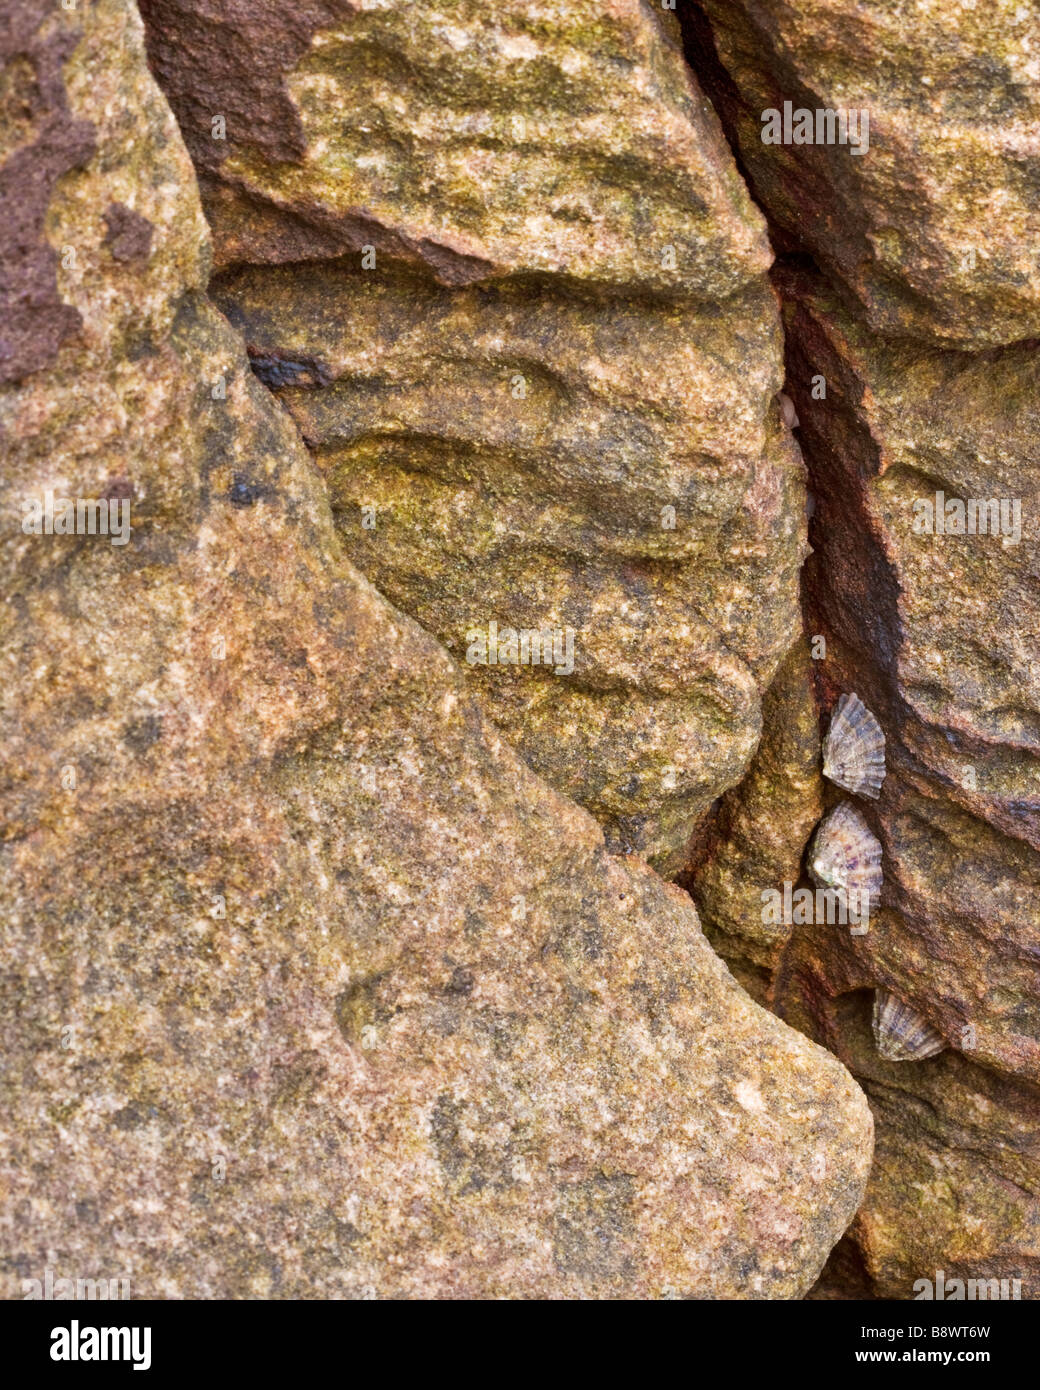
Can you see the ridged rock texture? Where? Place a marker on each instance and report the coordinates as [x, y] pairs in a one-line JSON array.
[[500, 268], [311, 987], [914, 369], [933, 229]]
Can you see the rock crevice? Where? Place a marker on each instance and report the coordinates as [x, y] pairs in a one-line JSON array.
[[910, 315]]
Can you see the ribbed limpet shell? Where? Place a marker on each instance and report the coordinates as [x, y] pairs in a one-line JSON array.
[[854, 749], [845, 855], [901, 1033]]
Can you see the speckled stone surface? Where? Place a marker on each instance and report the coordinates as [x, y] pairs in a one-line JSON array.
[[547, 137], [311, 987], [571, 425], [933, 230], [756, 841]]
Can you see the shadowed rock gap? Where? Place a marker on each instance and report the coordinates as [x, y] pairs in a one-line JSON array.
[[929, 406]]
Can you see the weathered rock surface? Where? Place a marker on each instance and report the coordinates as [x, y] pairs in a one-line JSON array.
[[637, 490], [957, 1162], [935, 632], [934, 228], [913, 366], [586, 441], [560, 137], [53, 286], [310, 986], [932, 631]]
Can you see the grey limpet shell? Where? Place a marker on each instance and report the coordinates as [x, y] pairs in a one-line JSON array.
[[844, 853], [900, 1032], [854, 749]]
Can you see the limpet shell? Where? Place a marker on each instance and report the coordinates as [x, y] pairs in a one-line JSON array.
[[845, 854], [901, 1033], [854, 749]]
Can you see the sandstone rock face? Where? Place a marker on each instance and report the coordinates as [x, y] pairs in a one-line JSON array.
[[585, 442], [934, 228], [310, 986], [561, 137], [955, 1174], [933, 629], [923, 584], [632, 497]]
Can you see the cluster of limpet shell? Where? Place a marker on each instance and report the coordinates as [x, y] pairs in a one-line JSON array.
[[845, 854]]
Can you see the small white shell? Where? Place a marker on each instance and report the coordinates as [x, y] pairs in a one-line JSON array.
[[845, 855], [901, 1033], [854, 749], [787, 410]]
